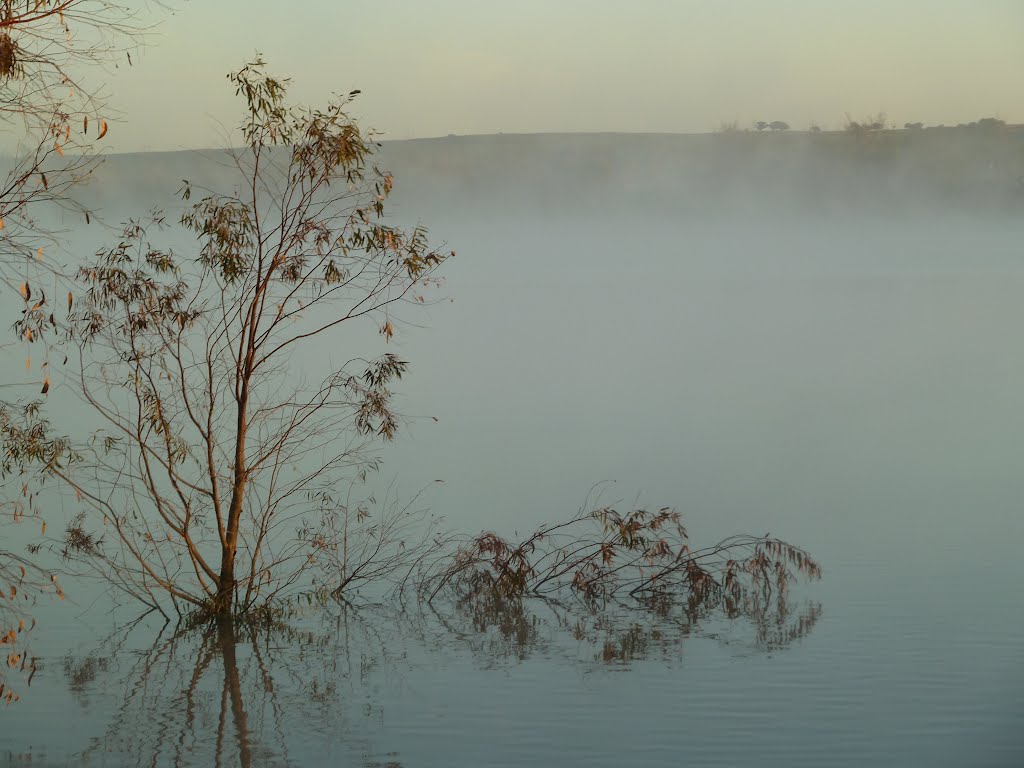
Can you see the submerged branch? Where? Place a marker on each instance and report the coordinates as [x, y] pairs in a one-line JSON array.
[[604, 555]]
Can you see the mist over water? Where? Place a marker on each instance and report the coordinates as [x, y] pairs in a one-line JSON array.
[[829, 354]]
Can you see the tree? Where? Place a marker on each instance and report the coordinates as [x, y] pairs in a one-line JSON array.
[[56, 116], [778, 125], [760, 125], [991, 123], [53, 120], [868, 125], [209, 445]]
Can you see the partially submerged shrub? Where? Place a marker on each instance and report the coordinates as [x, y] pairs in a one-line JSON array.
[[604, 555]]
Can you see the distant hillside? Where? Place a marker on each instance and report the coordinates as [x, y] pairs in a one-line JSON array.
[[615, 174]]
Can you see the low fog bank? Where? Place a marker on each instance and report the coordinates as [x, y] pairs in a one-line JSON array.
[[818, 364], [887, 173]]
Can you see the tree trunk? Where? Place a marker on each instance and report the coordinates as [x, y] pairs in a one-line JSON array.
[[225, 600]]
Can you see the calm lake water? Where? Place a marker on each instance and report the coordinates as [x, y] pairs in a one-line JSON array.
[[855, 386]]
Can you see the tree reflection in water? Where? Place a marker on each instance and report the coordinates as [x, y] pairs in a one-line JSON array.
[[225, 693], [259, 693]]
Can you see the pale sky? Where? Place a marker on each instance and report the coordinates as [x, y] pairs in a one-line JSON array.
[[483, 66]]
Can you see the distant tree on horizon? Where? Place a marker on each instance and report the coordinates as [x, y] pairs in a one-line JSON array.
[[867, 125], [990, 123]]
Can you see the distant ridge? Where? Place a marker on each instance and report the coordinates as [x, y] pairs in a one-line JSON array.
[[606, 173], [1010, 128]]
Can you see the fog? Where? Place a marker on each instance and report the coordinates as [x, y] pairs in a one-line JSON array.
[[936, 170], [808, 334]]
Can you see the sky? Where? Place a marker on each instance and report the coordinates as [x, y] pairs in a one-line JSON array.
[[488, 66]]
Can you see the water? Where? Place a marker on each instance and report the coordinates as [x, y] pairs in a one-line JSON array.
[[855, 385], [867, 683]]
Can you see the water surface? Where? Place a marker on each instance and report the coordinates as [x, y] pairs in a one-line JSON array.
[[854, 384]]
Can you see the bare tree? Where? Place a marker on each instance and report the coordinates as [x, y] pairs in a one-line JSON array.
[[205, 482]]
